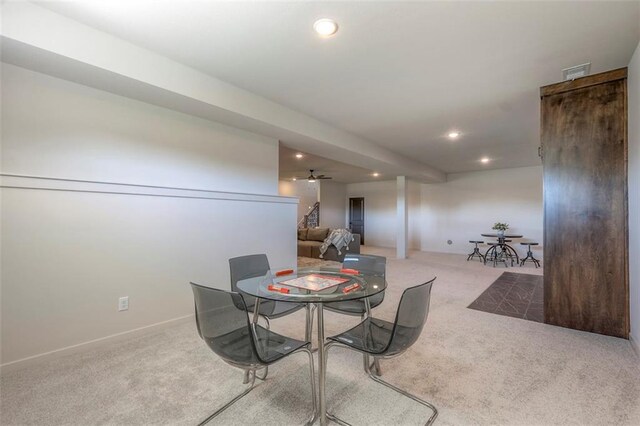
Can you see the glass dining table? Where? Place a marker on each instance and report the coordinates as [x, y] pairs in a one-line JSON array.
[[324, 285]]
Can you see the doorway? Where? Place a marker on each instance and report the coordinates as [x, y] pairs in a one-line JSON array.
[[356, 217]]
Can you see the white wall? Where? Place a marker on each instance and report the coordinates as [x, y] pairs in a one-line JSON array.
[[460, 209], [415, 218], [306, 192], [52, 127], [333, 204], [379, 211], [70, 249], [468, 204], [634, 194]]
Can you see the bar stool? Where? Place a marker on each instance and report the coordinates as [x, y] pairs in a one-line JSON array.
[[476, 251], [506, 249], [497, 254], [491, 251], [530, 257]]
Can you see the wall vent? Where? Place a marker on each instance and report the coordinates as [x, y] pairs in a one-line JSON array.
[[578, 71]]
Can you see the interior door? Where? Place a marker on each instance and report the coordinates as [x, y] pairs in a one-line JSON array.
[[583, 137], [356, 217]]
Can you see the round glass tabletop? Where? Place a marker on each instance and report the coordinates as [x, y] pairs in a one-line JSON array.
[[314, 285]]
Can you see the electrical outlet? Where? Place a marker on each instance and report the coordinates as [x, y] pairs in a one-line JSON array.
[[123, 303]]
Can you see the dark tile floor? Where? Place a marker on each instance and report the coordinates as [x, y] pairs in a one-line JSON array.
[[513, 295]]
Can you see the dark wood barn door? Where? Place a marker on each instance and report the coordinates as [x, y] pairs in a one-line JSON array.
[[585, 204]]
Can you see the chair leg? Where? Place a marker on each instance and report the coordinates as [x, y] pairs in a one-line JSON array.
[[376, 364], [252, 385], [246, 378], [337, 420], [264, 376], [266, 322], [365, 358], [230, 403], [389, 385], [266, 369], [326, 359], [312, 376], [365, 361], [407, 394]]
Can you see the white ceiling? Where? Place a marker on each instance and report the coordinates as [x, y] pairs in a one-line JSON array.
[[401, 74], [291, 167]]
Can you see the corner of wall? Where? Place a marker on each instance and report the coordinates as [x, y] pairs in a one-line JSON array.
[[633, 91]]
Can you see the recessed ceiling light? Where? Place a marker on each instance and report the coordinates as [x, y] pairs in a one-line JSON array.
[[298, 155], [325, 27], [375, 174], [453, 135], [294, 179], [484, 160]]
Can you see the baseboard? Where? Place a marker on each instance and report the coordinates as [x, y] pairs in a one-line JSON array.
[[635, 345], [91, 344]]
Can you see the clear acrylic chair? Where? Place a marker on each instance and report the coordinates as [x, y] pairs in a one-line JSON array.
[[382, 339], [257, 265], [223, 323], [369, 264]]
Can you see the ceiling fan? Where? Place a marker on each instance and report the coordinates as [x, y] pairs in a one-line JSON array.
[[312, 178]]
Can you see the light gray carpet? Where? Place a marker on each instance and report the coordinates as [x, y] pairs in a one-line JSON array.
[[308, 262], [477, 368]]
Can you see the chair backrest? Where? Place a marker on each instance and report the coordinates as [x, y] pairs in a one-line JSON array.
[[410, 318], [251, 266], [366, 263], [223, 326]]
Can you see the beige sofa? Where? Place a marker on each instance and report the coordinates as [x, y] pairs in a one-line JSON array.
[[310, 240]]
